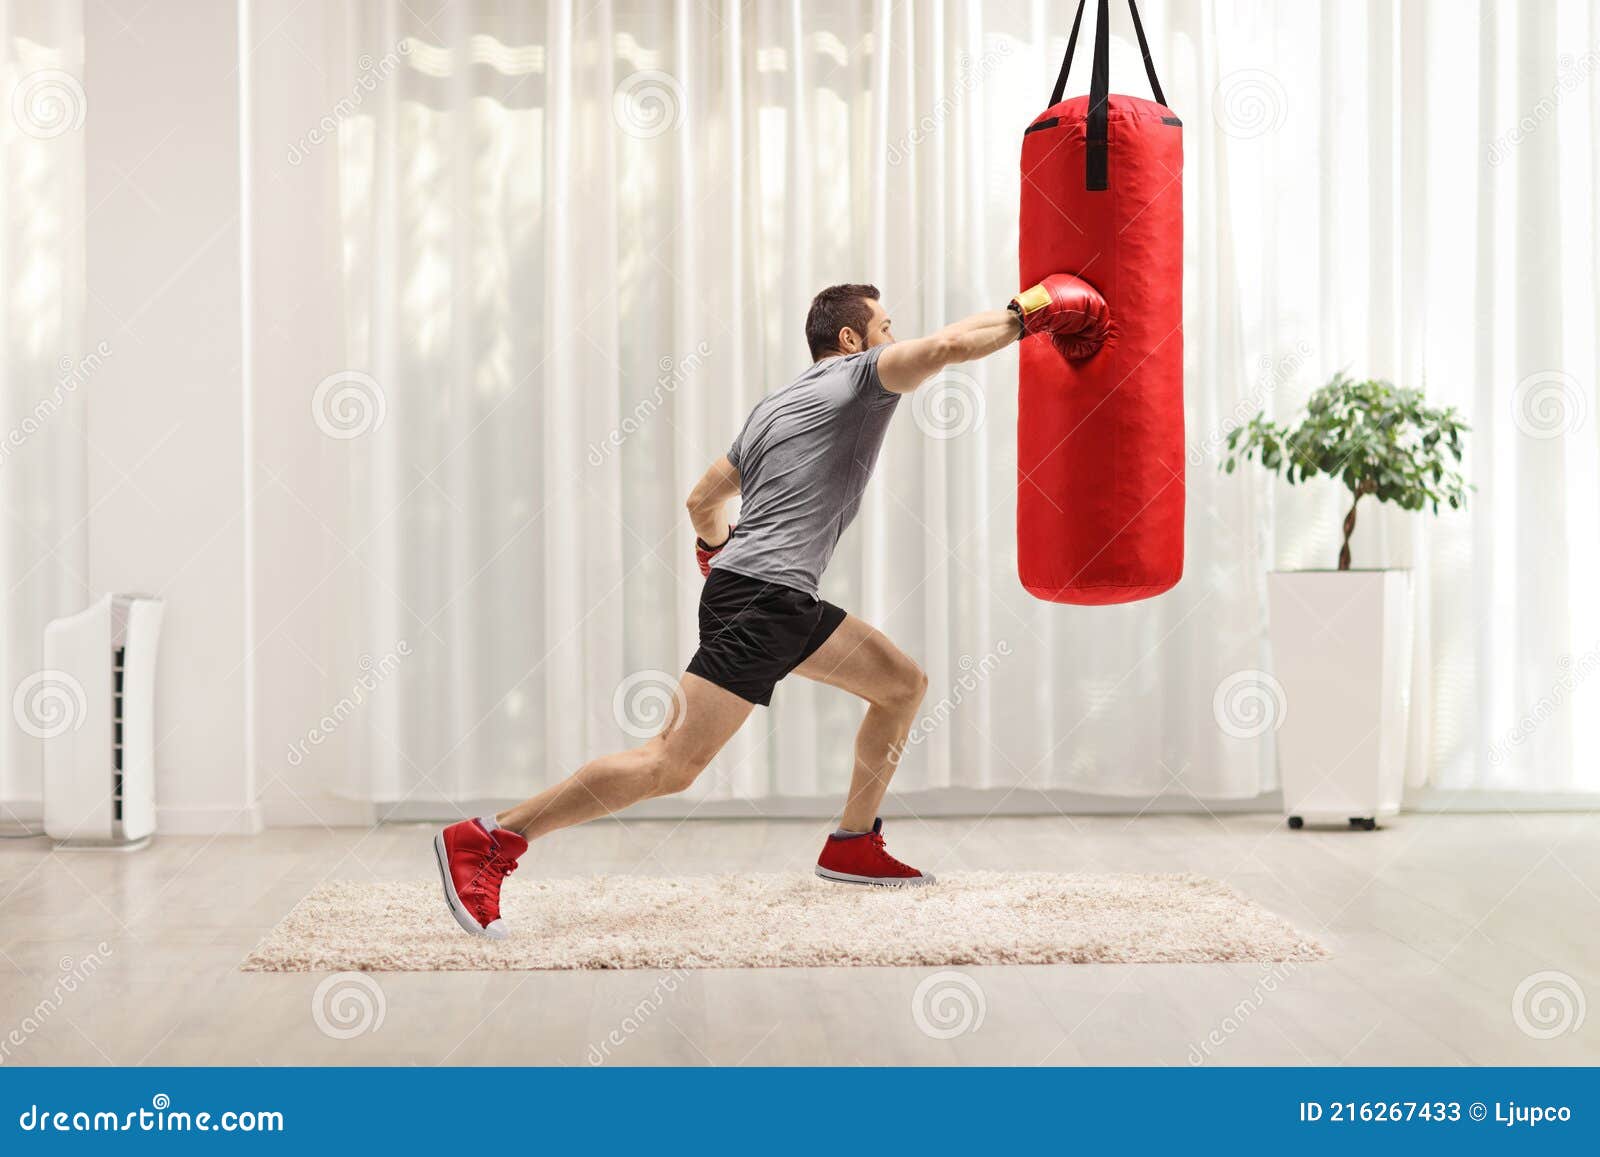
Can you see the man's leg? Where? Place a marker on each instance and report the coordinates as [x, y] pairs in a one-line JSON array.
[[860, 659], [703, 718]]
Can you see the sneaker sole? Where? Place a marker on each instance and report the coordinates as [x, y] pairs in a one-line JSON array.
[[875, 881], [451, 899]]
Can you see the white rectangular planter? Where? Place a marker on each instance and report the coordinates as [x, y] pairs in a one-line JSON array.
[[1341, 648]]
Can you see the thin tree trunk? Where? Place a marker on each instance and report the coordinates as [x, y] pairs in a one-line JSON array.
[[1349, 529]]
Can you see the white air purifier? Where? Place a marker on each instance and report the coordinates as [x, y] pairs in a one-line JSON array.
[[99, 750]]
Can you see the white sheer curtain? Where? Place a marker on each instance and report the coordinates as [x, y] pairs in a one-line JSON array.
[[578, 240], [44, 368]]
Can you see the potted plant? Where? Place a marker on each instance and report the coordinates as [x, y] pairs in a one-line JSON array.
[[1341, 638]]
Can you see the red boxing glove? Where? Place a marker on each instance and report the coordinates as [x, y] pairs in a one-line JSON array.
[[1067, 308], [703, 554]]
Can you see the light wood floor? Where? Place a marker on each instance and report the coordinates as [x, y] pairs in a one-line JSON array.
[[1433, 924]]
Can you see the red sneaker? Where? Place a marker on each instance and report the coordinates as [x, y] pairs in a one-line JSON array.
[[862, 860], [473, 864]]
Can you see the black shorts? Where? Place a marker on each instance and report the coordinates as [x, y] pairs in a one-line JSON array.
[[754, 632]]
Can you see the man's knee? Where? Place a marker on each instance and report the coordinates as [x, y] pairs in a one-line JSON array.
[[904, 688], [672, 772]]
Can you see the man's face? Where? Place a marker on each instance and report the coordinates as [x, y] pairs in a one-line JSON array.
[[878, 332]]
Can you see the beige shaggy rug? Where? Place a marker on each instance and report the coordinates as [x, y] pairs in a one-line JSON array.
[[784, 921]]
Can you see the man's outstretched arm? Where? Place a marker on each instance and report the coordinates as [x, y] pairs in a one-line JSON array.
[[1060, 305], [907, 364]]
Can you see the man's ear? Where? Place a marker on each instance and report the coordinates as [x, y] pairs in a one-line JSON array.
[[844, 345]]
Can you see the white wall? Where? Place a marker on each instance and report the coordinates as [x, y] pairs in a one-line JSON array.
[[166, 415]]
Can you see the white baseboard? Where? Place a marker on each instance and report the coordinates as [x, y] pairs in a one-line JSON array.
[[295, 812], [1437, 800], [208, 821], [21, 811], [292, 812], [944, 802], [172, 821]]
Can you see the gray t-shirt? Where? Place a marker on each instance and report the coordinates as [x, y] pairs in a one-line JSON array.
[[804, 457]]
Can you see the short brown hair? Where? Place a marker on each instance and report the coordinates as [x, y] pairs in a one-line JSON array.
[[835, 308]]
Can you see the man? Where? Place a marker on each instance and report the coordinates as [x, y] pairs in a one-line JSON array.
[[799, 465]]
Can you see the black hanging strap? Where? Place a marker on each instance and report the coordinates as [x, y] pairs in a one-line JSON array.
[[1095, 161], [1144, 50], [1066, 62]]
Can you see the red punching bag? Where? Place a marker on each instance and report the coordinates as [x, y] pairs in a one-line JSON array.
[[1100, 450]]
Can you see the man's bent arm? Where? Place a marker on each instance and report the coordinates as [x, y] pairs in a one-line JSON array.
[[708, 501], [907, 364]]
